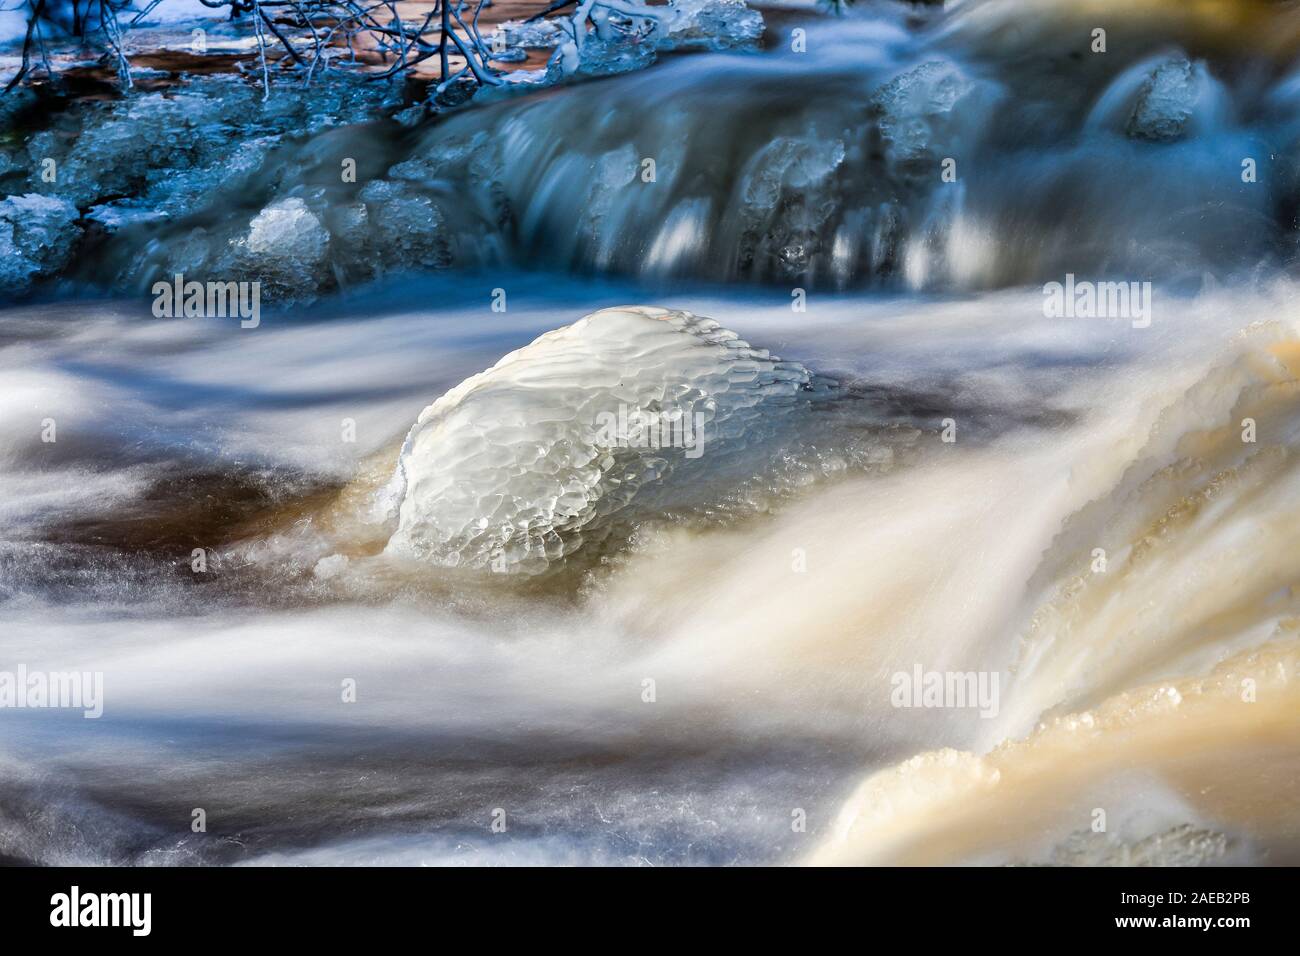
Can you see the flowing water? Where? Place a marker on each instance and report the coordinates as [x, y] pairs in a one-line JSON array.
[[688, 673]]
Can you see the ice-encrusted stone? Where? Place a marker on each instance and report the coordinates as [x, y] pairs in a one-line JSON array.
[[516, 466], [917, 109], [288, 228], [789, 163], [174, 152], [539, 34], [406, 225], [1168, 101], [286, 245], [37, 234], [712, 25], [619, 53], [787, 191]]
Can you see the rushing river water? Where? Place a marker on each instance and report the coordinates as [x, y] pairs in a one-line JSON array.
[[402, 645]]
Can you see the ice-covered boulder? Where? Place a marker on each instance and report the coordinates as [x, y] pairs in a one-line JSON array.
[[537, 34], [37, 235], [165, 155], [919, 116], [1170, 100], [618, 53], [787, 191], [286, 246], [407, 226], [519, 465], [712, 25]]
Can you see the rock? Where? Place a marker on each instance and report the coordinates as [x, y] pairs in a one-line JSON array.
[[349, 226], [37, 236], [413, 115], [511, 55], [789, 163]]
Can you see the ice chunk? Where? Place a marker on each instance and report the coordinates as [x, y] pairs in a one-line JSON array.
[[620, 53], [407, 225], [712, 25], [179, 150], [286, 246], [1170, 99], [788, 191], [288, 229], [789, 163], [539, 34], [515, 467], [37, 234], [917, 111]]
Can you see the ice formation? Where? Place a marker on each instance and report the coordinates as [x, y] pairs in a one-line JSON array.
[[919, 111], [712, 25], [1170, 100], [36, 238], [286, 246], [172, 152], [516, 466]]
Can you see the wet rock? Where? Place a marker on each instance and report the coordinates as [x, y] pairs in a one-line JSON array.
[[413, 115], [789, 163], [511, 55], [14, 103], [37, 236], [349, 226]]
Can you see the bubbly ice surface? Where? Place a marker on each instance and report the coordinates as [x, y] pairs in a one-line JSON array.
[[516, 466]]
